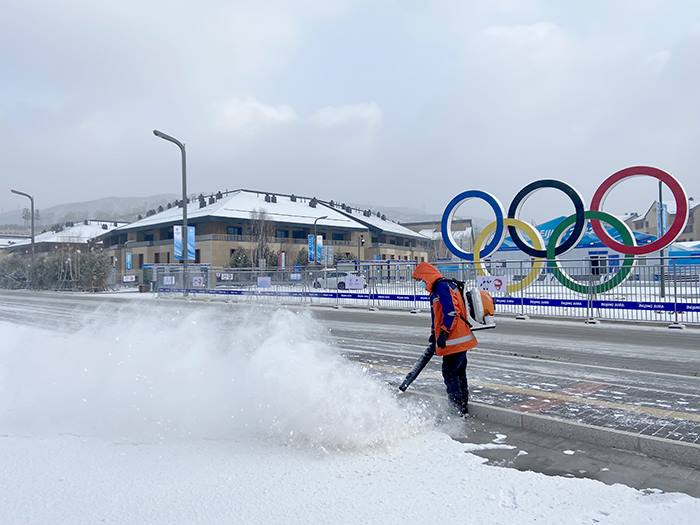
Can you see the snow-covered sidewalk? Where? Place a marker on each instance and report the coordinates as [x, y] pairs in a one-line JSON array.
[[146, 418], [423, 479]]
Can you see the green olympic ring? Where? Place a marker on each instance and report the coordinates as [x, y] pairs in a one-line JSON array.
[[620, 276]]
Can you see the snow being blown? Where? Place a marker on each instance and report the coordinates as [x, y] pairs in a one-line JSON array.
[[143, 374]]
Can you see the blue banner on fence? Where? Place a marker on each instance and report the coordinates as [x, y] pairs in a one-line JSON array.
[[527, 301]]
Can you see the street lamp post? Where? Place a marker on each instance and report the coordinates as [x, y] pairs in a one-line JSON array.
[[31, 200], [316, 237], [180, 145]]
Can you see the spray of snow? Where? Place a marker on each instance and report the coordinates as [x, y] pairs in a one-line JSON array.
[[149, 377]]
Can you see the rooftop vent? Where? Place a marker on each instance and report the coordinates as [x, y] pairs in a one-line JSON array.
[[313, 202], [169, 206], [105, 227], [383, 217], [379, 214], [267, 197], [367, 213], [202, 202], [86, 222], [218, 195], [160, 208], [332, 203], [273, 198], [293, 198], [212, 200]]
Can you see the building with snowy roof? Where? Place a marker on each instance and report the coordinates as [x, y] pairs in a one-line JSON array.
[[72, 235], [8, 239], [648, 222], [462, 233], [246, 219]]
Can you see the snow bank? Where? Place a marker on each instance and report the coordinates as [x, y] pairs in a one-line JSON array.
[[427, 478]]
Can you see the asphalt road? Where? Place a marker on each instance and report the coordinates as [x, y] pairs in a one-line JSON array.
[[637, 378]]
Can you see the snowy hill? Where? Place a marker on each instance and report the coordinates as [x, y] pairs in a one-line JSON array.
[[107, 208]]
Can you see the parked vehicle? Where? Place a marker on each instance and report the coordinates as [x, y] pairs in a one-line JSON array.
[[341, 280]]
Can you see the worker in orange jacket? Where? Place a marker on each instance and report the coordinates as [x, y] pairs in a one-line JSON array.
[[450, 333]]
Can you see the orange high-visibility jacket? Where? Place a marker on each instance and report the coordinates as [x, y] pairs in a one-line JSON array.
[[448, 311]]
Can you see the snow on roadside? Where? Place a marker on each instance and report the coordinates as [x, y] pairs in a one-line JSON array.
[[426, 478], [152, 419]]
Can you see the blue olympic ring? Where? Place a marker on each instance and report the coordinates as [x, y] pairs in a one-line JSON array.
[[448, 216]]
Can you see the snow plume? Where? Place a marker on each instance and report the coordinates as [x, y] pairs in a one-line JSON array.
[[156, 374]]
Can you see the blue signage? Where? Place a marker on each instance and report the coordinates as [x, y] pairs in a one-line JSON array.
[[177, 239], [129, 261], [311, 250]]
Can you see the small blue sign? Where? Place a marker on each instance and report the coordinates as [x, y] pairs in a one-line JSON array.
[[129, 262]]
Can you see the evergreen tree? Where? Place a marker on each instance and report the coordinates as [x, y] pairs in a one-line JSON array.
[[239, 259]]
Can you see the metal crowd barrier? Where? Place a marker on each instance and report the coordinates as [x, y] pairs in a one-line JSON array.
[[665, 291]]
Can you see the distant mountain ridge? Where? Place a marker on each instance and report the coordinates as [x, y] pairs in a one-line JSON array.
[[129, 208], [107, 208]]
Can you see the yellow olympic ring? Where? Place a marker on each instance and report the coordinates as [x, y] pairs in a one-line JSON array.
[[535, 239]]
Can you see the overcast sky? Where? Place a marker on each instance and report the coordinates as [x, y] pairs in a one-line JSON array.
[[382, 102]]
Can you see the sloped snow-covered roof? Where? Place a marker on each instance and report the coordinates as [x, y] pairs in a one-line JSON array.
[[383, 224], [436, 235], [79, 233], [686, 245], [11, 240], [241, 204]]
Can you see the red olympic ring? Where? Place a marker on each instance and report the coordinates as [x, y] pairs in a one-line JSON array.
[[679, 221]]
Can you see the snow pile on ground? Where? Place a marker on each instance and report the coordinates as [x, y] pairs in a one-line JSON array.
[[152, 419]]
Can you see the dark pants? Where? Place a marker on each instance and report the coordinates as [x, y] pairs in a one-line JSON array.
[[454, 372]]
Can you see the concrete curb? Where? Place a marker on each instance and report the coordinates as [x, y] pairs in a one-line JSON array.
[[678, 451]]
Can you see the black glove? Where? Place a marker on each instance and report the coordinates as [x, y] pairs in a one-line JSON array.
[[431, 339], [442, 339]]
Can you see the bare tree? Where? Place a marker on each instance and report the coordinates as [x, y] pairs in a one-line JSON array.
[[262, 233]]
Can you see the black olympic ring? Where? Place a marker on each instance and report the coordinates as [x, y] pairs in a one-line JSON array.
[[579, 226]]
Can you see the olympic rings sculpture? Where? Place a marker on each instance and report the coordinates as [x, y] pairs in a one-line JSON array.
[[546, 254]]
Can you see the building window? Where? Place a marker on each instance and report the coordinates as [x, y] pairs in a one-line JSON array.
[[298, 234], [338, 236], [156, 258], [140, 261], [234, 230], [197, 256], [282, 234], [167, 257]]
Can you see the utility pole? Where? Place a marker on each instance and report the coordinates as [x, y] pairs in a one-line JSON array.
[[660, 227]]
